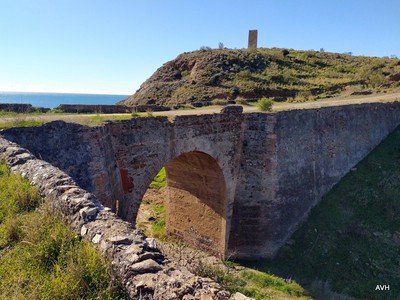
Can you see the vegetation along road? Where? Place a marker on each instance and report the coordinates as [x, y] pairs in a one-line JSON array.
[[14, 120]]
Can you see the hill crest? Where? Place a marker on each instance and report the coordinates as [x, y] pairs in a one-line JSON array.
[[201, 76]]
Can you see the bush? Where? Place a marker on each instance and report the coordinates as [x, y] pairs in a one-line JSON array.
[[241, 101], [219, 102], [149, 113], [135, 114], [303, 96], [55, 111], [376, 80], [265, 104], [285, 52]]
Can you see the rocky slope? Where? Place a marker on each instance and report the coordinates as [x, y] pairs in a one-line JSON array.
[[201, 76]]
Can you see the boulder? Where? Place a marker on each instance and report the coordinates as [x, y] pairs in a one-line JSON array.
[[146, 266], [232, 109]]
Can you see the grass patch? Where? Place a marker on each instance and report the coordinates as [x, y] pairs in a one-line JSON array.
[[100, 119], [252, 283], [160, 180], [55, 111], [158, 228], [351, 240], [20, 123], [4, 113], [40, 257]]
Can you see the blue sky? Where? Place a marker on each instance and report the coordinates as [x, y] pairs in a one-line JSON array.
[[112, 46]]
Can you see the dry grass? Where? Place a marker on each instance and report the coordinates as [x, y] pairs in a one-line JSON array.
[[40, 256]]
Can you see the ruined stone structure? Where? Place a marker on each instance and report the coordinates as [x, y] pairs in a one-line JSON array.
[[253, 36], [239, 183], [21, 108], [137, 262], [91, 108]]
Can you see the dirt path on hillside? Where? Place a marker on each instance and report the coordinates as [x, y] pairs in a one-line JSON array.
[[86, 118]]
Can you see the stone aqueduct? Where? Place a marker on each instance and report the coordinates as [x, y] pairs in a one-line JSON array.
[[239, 184]]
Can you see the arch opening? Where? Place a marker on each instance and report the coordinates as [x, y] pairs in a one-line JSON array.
[[192, 203]]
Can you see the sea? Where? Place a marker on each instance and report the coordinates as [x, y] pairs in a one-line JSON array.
[[52, 100]]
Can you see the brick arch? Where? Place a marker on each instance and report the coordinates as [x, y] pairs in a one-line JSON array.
[[197, 204]]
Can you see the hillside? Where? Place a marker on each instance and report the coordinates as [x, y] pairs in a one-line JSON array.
[[40, 256], [202, 76], [351, 240]]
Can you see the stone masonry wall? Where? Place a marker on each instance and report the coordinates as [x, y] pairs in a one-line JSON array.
[[275, 166], [291, 159], [16, 107], [197, 202], [256, 187], [144, 145], [61, 144], [89, 108], [315, 149]]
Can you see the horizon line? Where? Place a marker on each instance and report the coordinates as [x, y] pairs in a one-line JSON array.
[[71, 93]]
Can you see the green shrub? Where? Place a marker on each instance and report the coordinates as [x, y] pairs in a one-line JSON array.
[[55, 111], [185, 73], [135, 114], [303, 96], [265, 104], [205, 48], [285, 52], [219, 102], [377, 79], [241, 101]]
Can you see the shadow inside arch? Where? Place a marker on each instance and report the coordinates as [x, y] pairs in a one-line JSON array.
[[192, 203]]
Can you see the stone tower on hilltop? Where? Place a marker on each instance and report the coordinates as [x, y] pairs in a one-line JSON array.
[[253, 39]]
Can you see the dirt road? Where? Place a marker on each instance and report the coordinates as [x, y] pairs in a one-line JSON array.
[[93, 119]]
